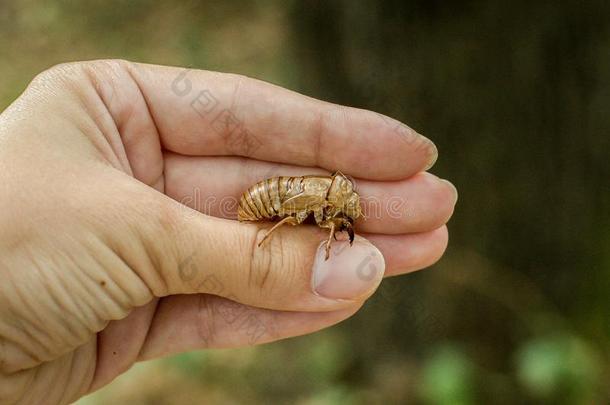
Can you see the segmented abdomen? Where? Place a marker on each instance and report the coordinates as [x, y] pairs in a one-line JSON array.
[[264, 199]]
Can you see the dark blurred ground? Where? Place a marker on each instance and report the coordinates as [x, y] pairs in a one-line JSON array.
[[515, 94]]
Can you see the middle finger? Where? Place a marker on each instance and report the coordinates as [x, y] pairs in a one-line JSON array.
[[213, 185]]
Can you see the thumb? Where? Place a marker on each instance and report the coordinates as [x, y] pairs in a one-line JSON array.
[[288, 272]]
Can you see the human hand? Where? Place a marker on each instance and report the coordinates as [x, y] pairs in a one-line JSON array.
[[103, 264]]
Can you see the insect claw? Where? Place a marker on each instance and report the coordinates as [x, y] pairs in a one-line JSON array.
[[264, 239], [330, 238]]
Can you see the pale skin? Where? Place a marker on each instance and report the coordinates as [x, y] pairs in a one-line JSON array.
[[103, 265]]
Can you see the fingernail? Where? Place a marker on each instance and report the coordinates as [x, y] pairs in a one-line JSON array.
[[350, 272], [455, 192], [433, 155]]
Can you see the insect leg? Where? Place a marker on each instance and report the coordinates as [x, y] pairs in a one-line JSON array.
[[301, 216], [350, 232], [287, 220], [331, 225], [318, 215], [342, 227]]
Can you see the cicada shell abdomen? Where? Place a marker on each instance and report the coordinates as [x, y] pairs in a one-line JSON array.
[[264, 199]]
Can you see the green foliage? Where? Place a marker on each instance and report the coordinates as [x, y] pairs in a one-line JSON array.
[[326, 358], [515, 95], [560, 368], [448, 378]]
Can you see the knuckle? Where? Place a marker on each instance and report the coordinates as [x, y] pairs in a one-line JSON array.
[[263, 259], [65, 69], [151, 244], [66, 85], [271, 264], [163, 251], [58, 76], [239, 79], [106, 68], [71, 74]]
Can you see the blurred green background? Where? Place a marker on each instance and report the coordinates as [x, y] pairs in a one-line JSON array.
[[515, 94]]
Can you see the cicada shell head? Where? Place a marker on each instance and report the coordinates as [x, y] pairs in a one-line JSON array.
[[343, 195], [352, 208]]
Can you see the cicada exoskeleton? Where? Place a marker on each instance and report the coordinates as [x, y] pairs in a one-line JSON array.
[[332, 200]]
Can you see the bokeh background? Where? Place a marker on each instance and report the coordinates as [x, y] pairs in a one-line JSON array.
[[515, 94]]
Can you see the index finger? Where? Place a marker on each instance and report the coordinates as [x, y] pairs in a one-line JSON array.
[[208, 113]]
